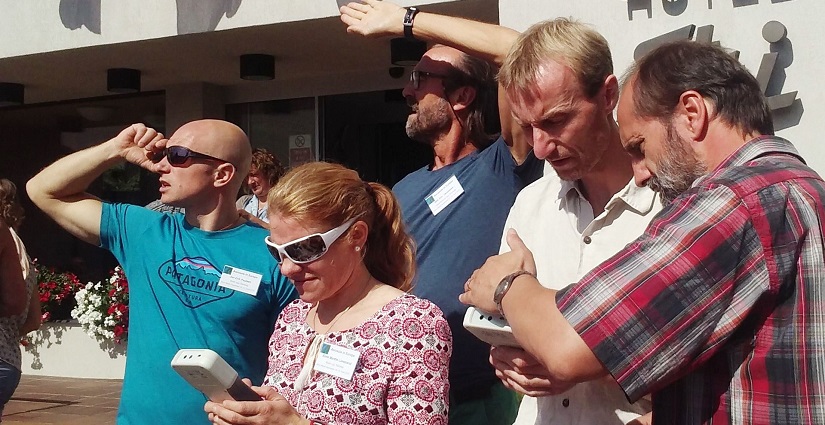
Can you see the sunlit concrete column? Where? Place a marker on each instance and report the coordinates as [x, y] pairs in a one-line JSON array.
[[188, 102]]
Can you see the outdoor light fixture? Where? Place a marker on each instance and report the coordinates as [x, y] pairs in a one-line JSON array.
[[11, 94], [257, 67], [123, 80], [406, 52]]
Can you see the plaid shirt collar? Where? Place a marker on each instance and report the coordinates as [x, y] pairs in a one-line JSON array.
[[759, 146]]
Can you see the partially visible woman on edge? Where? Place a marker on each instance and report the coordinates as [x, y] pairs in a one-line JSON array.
[[356, 348], [19, 281], [265, 171]]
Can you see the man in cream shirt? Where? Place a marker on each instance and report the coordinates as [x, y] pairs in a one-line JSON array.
[[556, 222], [559, 81]]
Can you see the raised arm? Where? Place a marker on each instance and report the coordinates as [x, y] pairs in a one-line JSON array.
[[374, 18], [12, 286], [60, 189]]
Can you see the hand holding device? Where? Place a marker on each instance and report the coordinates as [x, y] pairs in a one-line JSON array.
[[490, 328], [210, 374]]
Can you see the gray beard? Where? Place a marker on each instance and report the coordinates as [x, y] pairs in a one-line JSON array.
[[678, 169], [427, 124]]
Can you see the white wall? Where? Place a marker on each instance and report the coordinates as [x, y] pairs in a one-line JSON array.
[[37, 26], [63, 349], [737, 24]]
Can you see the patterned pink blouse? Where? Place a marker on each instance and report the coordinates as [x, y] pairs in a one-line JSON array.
[[400, 378]]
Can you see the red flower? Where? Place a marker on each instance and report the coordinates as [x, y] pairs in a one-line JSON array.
[[54, 287]]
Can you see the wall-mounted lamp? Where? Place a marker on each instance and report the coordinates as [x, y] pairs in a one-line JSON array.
[[123, 80], [257, 67], [406, 52], [11, 94]]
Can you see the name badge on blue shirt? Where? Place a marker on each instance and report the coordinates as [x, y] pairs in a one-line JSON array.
[[444, 195]]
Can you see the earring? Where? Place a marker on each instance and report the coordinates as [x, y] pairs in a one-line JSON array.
[[357, 248]]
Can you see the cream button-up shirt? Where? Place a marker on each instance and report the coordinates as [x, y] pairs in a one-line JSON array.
[[556, 222]]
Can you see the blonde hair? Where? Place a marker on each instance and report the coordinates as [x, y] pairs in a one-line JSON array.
[[330, 194], [561, 40], [10, 210]]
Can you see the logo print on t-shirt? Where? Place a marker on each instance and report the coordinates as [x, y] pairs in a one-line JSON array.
[[194, 280]]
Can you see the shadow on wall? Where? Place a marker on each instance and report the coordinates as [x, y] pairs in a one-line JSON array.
[[196, 16], [77, 13]]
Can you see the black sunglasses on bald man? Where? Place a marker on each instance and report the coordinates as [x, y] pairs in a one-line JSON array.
[[178, 155]]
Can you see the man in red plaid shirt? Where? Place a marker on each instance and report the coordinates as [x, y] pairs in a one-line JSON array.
[[718, 309]]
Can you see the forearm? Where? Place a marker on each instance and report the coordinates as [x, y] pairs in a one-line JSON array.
[[386, 19], [487, 41], [252, 218], [544, 333]]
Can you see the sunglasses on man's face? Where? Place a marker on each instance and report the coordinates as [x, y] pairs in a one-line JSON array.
[[308, 248], [178, 155], [416, 76]]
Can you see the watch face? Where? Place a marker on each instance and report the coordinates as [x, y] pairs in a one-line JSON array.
[[410, 15]]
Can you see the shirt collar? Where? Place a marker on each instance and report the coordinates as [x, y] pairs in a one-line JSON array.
[[567, 186], [639, 199], [759, 146]]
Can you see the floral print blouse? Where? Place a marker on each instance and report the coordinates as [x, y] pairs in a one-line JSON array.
[[401, 376]]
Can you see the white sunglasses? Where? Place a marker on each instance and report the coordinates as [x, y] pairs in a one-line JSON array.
[[308, 248]]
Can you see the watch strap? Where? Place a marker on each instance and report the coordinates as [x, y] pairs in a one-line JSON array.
[[409, 17], [504, 286]]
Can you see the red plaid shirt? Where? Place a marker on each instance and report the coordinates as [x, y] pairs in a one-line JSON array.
[[719, 308]]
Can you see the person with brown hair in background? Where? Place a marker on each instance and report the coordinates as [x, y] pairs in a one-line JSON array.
[[342, 242], [264, 172], [15, 265]]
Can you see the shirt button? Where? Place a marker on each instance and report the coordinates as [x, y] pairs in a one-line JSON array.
[[565, 402], [587, 240]]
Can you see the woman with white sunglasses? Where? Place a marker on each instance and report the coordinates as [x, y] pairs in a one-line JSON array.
[[356, 348]]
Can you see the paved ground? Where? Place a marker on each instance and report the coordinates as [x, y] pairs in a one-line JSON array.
[[70, 401]]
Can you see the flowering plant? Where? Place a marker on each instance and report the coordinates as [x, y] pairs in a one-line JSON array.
[[56, 291], [103, 308]]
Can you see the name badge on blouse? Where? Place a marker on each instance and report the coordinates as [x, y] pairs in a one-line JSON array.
[[337, 361], [240, 280], [444, 195]]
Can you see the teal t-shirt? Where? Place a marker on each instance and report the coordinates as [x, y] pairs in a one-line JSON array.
[[175, 302]]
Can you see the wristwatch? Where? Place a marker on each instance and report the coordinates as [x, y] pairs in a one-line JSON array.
[[408, 21], [504, 286]]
